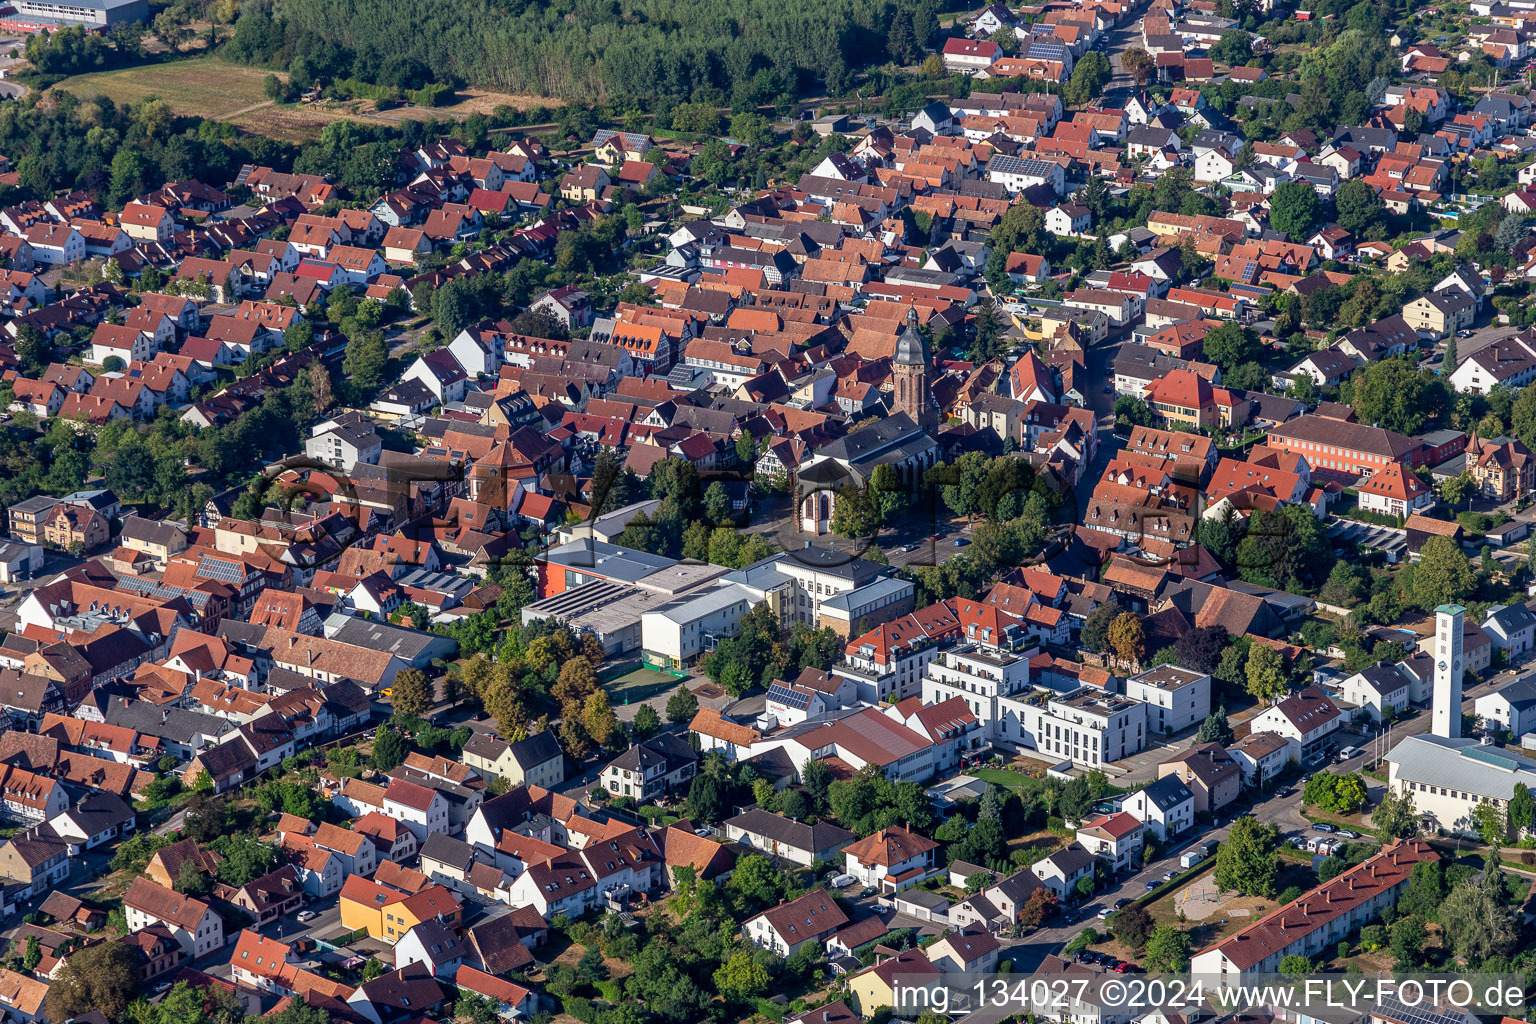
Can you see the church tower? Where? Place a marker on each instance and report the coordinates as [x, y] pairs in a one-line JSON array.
[[909, 368]]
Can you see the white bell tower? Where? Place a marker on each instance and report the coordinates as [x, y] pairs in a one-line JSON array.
[[1445, 706]]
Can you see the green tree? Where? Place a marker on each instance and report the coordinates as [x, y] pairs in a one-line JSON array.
[[1234, 48], [1266, 674], [1215, 728], [298, 334], [1395, 817], [855, 513], [1335, 794], [705, 800], [102, 977], [410, 694], [742, 977], [1425, 890], [1021, 229], [1478, 924], [717, 504], [1395, 394], [1128, 637], [647, 722], [816, 777], [1407, 943], [1521, 811], [682, 705], [1295, 965], [1457, 489], [1295, 209], [1442, 575], [1232, 345], [389, 749], [191, 881], [1359, 210], [1089, 76], [365, 360], [1488, 821], [756, 883], [1095, 635], [1247, 860], [1167, 950], [32, 349]]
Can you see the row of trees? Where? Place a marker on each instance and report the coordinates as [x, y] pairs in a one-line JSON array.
[[652, 50]]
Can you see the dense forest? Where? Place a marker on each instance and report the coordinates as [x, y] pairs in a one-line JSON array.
[[646, 50]]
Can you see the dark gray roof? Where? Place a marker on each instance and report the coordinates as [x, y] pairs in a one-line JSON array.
[[540, 748], [1513, 618], [151, 531], [177, 724], [447, 850], [1019, 885], [668, 749], [870, 440], [36, 504], [405, 644], [97, 812], [1072, 859], [1168, 792], [795, 834], [1521, 693], [1143, 362]]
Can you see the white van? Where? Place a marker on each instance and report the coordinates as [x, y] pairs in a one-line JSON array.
[[840, 881], [1191, 858], [1347, 753]]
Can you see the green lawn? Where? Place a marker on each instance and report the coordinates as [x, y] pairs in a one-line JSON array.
[[1007, 778]]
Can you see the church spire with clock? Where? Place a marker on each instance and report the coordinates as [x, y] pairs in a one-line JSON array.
[[909, 370]]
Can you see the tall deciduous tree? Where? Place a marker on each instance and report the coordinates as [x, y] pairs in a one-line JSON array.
[[1266, 673], [1128, 637], [102, 977], [1295, 209], [410, 693], [1478, 924], [1167, 951], [1443, 574], [1247, 861], [682, 706]]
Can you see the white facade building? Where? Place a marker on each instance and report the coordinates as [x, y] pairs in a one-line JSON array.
[[1176, 698]]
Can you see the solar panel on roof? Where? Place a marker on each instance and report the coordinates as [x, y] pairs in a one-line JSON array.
[[1490, 757], [219, 570]]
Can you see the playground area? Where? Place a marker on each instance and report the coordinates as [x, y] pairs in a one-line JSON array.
[[1202, 899]]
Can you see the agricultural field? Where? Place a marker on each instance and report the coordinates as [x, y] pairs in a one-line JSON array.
[[196, 87], [215, 88]]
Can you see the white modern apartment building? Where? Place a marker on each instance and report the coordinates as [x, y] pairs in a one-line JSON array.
[[1176, 698], [986, 679], [1087, 726]]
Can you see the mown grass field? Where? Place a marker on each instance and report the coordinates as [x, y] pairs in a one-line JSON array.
[[215, 88], [195, 87]]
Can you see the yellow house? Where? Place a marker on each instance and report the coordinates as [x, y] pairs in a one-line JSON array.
[[387, 914], [874, 987]]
